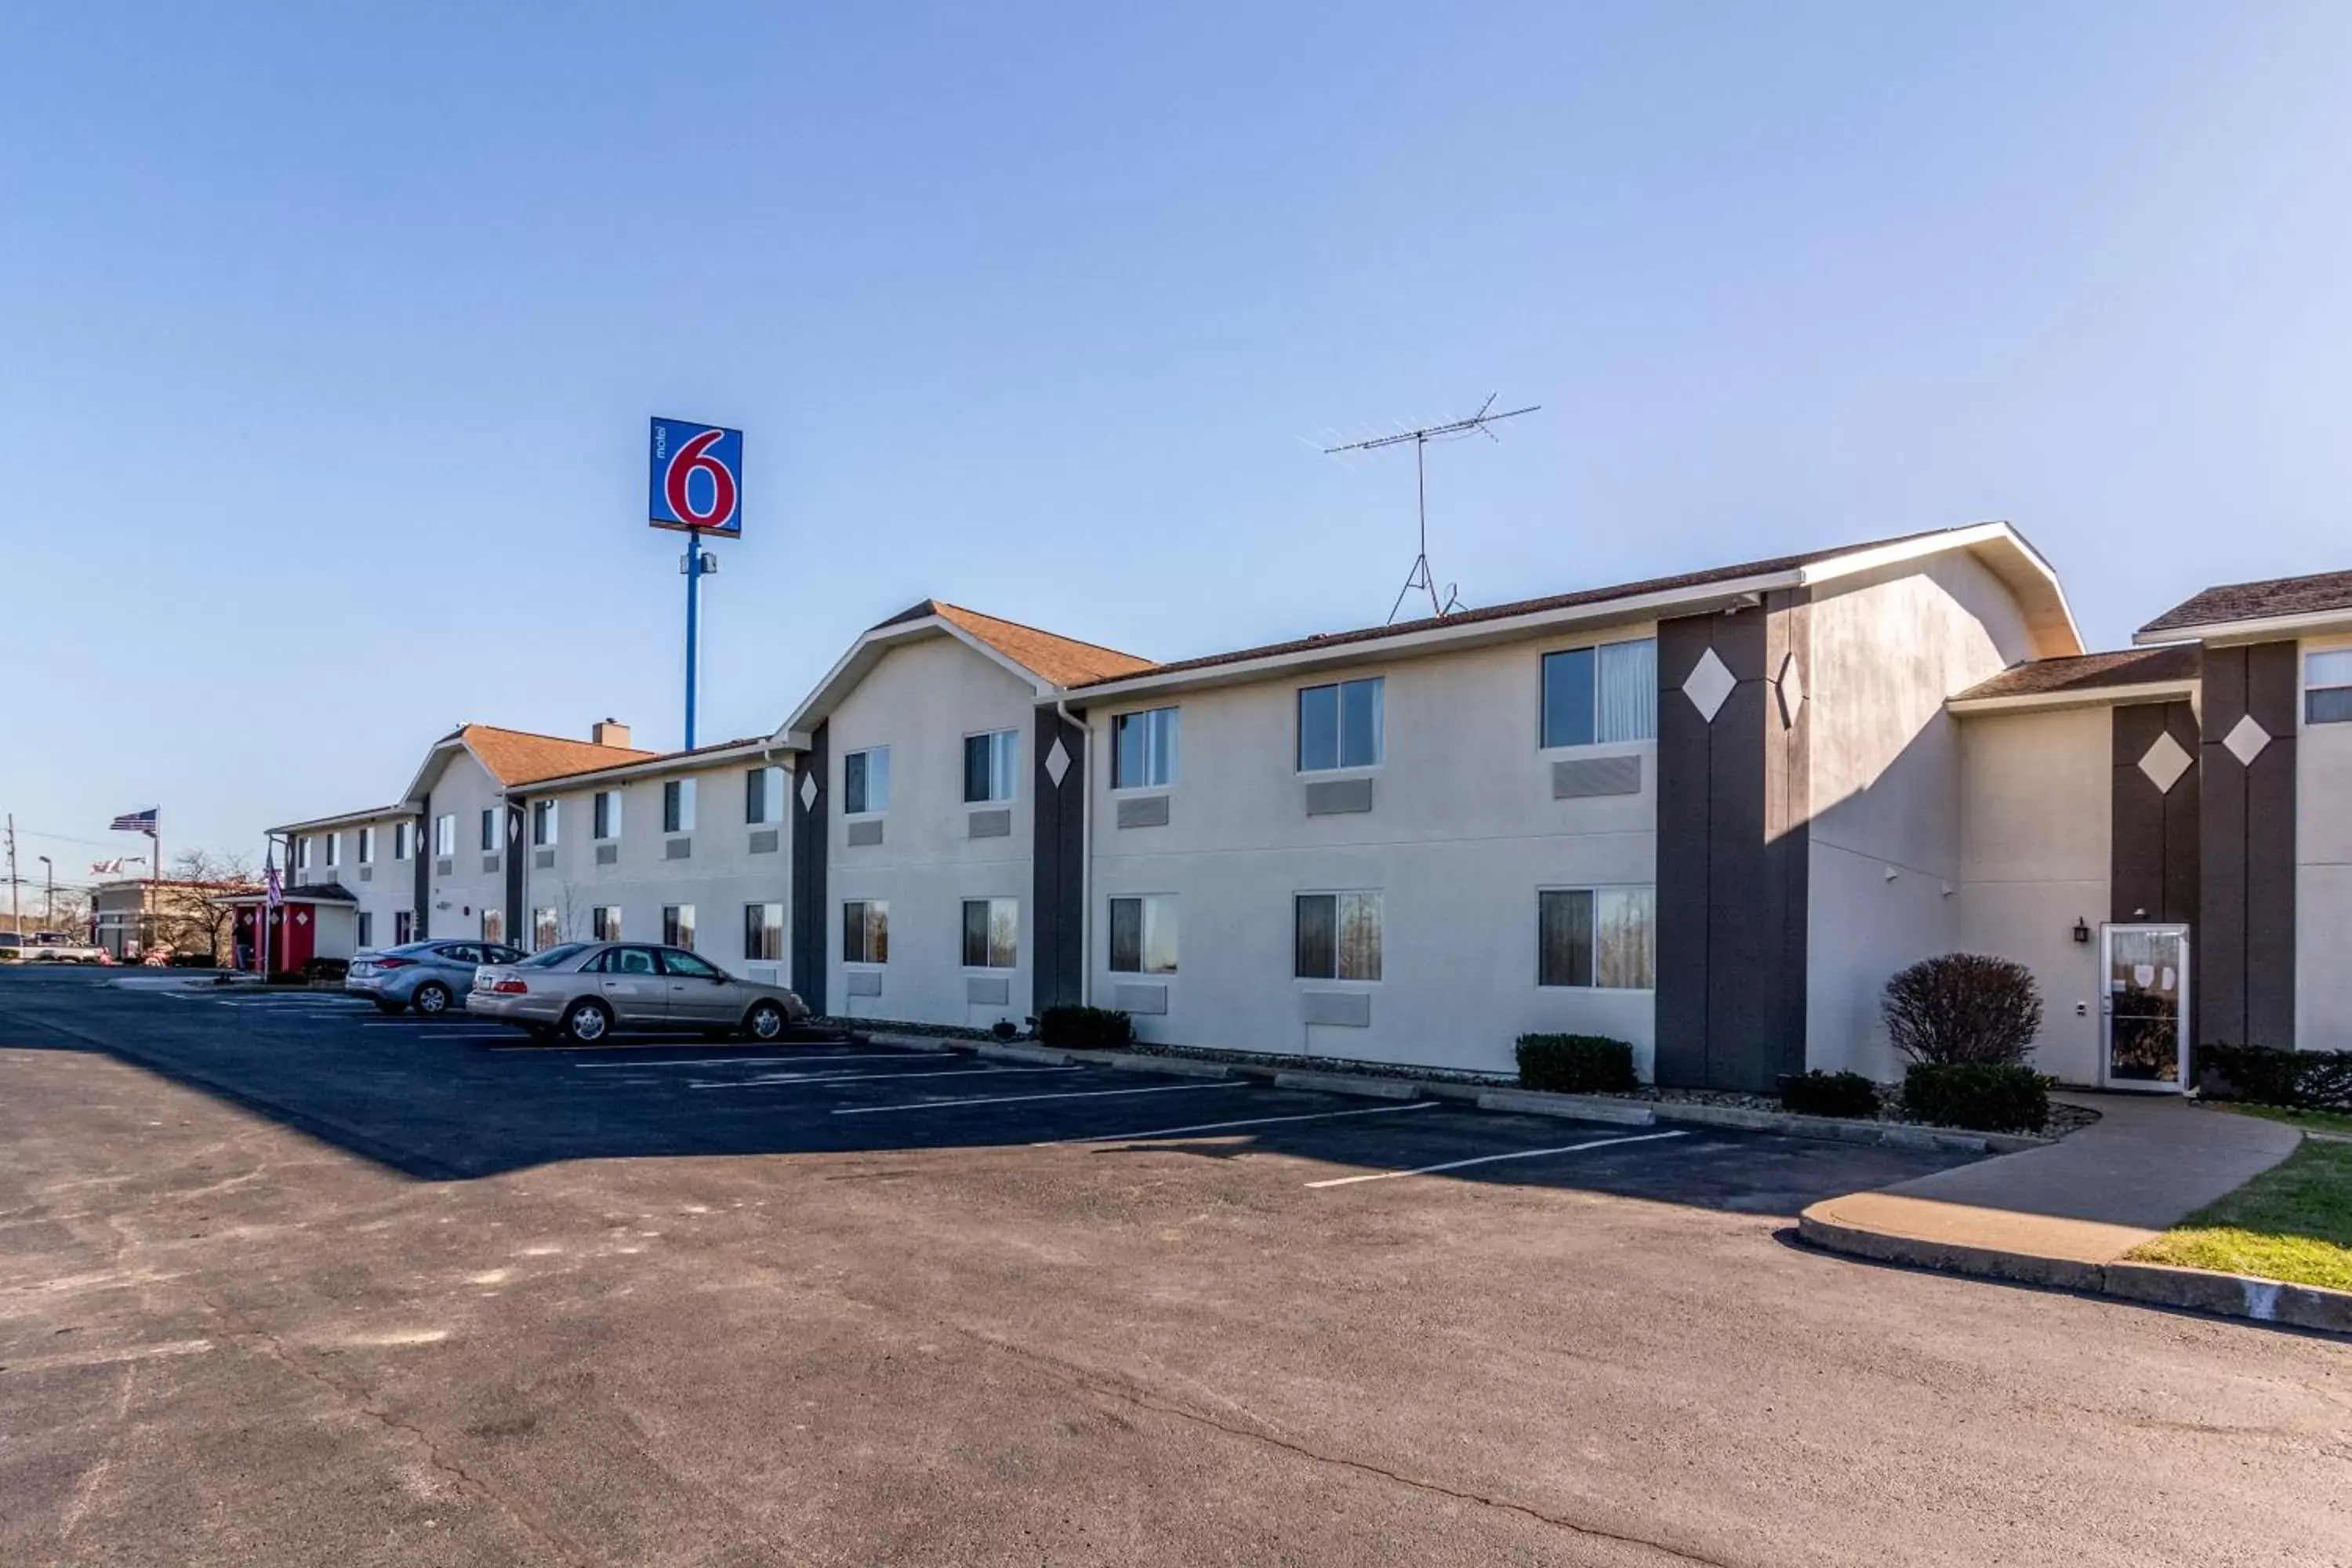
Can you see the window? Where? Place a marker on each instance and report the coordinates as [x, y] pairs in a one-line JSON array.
[[627, 961], [605, 922], [303, 853], [1339, 726], [1143, 935], [607, 813], [546, 930], [445, 834], [403, 928], [543, 822], [489, 829], [992, 933], [763, 795], [677, 961], [1601, 694], [1605, 938], [1339, 936], [366, 852], [494, 925], [866, 781], [1143, 749], [865, 932], [335, 849], [400, 841], [2327, 686], [763, 931], [677, 806], [988, 764], [678, 925], [546, 958], [367, 930]]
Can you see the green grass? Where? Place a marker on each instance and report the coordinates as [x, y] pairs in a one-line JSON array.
[[2309, 1120], [2294, 1222]]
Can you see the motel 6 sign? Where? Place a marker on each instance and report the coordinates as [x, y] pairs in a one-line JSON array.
[[696, 478]]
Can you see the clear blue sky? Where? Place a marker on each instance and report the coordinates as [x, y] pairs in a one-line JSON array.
[[330, 337]]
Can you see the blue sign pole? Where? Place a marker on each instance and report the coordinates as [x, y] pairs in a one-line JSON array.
[[693, 625]]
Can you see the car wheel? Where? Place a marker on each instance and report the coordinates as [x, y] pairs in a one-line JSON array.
[[389, 1008], [766, 1022], [587, 1023], [432, 998]]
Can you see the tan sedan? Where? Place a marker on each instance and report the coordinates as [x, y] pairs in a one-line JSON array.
[[585, 991]]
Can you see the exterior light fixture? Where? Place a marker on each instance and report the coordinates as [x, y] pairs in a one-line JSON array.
[[2081, 930]]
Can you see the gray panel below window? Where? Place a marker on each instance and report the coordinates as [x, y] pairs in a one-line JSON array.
[[865, 983], [1336, 797], [865, 833], [1139, 998], [678, 849], [763, 842], [997, 824], [1143, 811], [445, 867], [367, 873], [608, 854], [542, 860], [1574, 778], [987, 991], [490, 864], [1349, 1009]]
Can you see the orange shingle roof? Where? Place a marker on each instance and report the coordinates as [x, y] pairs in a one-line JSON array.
[[1063, 661], [520, 757]]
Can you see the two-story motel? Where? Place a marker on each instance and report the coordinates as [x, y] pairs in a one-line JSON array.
[[1709, 814]]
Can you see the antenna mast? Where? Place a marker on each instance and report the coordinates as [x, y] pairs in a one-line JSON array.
[[1421, 576]]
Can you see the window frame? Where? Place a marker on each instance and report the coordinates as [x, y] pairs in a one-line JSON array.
[[763, 795], [490, 917], [604, 923], [756, 917], [365, 935], [490, 844], [867, 930], [2311, 688], [445, 834], [544, 919], [363, 846], [546, 823], [1145, 925], [403, 841], [1380, 935], [1174, 748], [1544, 742], [864, 807], [988, 935], [677, 924], [605, 817], [678, 802], [1003, 759], [1596, 927], [1338, 689]]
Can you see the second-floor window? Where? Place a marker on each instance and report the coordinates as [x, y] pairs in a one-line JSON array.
[[367, 846], [763, 795], [445, 834], [608, 814], [1592, 695], [400, 841], [1339, 725], [677, 806], [2327, 686], [303, 853], [866, 781], [1143, 749], [543, 822], [335, 849], [489, 829], [989, 763]]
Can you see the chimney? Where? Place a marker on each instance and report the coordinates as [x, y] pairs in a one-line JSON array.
[[610, 732]]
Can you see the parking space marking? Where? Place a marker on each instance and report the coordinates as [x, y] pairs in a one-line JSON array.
[[1220, 1126], [795, 1079], [1017, 1098], [749, 1061], [1490, 1159]]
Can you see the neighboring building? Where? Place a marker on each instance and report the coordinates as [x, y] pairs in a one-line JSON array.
[[310, 920], [133, 917]]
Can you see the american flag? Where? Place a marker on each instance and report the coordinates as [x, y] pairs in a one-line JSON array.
[[273, 890], [146, 821]]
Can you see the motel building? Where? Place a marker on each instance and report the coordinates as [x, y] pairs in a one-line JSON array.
[[1709, 814]]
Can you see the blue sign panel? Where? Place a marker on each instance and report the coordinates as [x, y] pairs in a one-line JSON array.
[[696, 478]]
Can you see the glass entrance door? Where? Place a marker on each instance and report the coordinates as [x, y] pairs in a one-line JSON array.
[[2145, 1009]]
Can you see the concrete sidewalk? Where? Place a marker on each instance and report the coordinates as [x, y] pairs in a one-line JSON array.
[[2065, 1215]]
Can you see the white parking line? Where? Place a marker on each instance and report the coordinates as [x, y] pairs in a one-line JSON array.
[[796, 1079], [1017, 1098], [1221, 1126], [811, 1059], [1490, 1159]]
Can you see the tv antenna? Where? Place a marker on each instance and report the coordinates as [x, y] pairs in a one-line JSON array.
[[1421, 576]]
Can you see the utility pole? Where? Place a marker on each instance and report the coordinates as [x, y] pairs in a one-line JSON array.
[[49, 897], [16, 910]]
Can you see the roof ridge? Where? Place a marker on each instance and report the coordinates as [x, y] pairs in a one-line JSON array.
[[939, 605]]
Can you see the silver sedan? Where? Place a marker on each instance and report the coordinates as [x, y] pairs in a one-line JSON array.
[[585, 991]]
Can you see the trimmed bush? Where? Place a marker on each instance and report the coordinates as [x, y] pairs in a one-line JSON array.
[[1963, 1007], [1086, 1028], [1005, 1028], [2309, 1080], [286, 977], [326, 969], [1576, 1064], [1984, 1096], [1818, 1093]]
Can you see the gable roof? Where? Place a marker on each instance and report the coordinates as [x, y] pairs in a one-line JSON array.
[[2274, 597], [2091, 677], [1060, 660], [626, 767], [520, 757]]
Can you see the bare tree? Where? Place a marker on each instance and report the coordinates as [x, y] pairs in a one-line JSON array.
[[197, 915]]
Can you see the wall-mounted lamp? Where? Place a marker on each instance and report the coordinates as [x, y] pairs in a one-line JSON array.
[[2081, 930]]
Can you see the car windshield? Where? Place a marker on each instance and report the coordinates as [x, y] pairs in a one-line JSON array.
[[548, 958], [407, 947]]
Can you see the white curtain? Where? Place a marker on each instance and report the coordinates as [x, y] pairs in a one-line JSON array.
[[1628, 683]]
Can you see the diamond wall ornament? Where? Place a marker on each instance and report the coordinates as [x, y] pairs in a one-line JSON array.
[[1057, 762], [2165, 761], [1791, 688], [1709, 685], [808, 792], [2246, 740]]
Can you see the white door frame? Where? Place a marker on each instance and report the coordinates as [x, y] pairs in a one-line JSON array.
[[2107, 1008]]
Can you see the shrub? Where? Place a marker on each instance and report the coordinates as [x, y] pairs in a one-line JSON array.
[[1576, 1064], [1003, 1028], [2311, 1080], [1985, 1097], [1963, 1007], [1097, 1029], [1818, 1093], [192, 961], [326, 969], [286, 977]]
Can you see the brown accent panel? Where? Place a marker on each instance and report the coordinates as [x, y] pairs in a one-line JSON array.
[[420, 925], [2245, 936], [811, 841], [1682, 793], [2153, 873], [1058, 865], [2219, 943]]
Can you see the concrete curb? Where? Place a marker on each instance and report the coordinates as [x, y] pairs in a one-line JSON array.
[[2150, 1284], [1584, 1109], [1333, 1083]]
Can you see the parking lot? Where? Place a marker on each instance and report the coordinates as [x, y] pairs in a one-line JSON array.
[[286, 1279]]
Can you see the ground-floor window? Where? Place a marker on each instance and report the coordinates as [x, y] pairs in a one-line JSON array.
[[1339, 936], [546, 930], [677, 926], [865, 932], [605, 922], [367, 928], [763, 931], [494, 925], [992, 933], [403, 928], [1143, 935], [1604, 938]]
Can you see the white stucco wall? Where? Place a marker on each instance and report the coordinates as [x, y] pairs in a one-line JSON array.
[[457, 897], [920, 701], [385, 887], [2036, 825], [720, 874], [2323, 883], [1888, 649], [1463, 833]]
